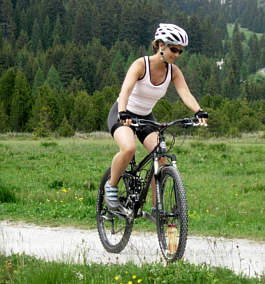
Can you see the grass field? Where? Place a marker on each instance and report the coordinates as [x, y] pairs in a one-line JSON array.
[[24, 270], [247, 33], [55, 181]]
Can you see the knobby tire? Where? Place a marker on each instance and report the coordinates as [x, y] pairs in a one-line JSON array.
[[116, 241], [174, 214]]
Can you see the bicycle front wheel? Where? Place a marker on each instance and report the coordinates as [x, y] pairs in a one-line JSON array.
[[172, 221], [114, 229]]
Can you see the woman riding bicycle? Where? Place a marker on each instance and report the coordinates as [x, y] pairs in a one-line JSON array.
[[145, 83]]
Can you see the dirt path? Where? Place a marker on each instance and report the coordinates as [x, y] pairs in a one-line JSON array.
[[74, 245]]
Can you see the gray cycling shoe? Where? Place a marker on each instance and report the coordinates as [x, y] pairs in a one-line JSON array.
[[113, 202], [111, 199]]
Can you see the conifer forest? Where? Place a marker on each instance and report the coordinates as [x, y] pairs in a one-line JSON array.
[[62, 62]]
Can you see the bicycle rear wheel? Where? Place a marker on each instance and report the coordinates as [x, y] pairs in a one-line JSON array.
[[172, 221], [114, 229]]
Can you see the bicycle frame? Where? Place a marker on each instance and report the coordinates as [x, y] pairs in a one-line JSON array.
[[156, 154], [154, 170]]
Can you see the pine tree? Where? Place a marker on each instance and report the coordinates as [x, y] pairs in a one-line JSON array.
[[36, 37], [214, 86], [102, 101], [109, 22], [46, 34], [54, 56], [7, 56], [195, 35], [253, 57], [80, 111], [69, 66], [43, 126], [38, 81], [53, 8], [82, 31], [230, 88], [53, 79], [117, 65], [21, 103], [76, 86], [3, 119], [7, 83], [87, 73], [7, 19], [52, 102], [129, 61], [22, 40], [163, 110], [110, 78], [57, 35], [237, 44], [65, 129], [209, 40]]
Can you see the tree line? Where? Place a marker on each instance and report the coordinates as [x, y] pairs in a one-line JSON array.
[[47, 108], [62, 62]]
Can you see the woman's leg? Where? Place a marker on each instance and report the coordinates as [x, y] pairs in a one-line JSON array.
[[125, 139]]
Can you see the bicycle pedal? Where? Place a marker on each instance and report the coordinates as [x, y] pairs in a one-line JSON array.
[[127, 212]]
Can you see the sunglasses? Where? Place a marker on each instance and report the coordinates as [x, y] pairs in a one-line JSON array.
[[175, 50]]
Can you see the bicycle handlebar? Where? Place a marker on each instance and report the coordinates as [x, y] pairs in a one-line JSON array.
[[185, 122]]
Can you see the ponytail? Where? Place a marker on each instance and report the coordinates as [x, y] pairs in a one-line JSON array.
[[155, 46]]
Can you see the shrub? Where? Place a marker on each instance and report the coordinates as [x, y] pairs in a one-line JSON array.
[[43, 128], [65, 129], [233, 132], [6, 195]]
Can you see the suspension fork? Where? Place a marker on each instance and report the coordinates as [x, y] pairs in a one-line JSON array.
[[157, 175]]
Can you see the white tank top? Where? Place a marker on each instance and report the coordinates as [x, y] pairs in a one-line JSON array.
[[144, 94]]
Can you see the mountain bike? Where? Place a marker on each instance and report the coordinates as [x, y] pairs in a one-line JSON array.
[[171, 214]]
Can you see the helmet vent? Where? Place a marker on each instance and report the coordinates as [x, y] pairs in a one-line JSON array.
[[176, 37]]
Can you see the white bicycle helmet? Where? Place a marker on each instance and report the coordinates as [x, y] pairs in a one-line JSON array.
[[171, 34]]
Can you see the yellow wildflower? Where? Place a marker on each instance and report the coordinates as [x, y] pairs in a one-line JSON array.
[[139, 280], [64, 189], [130, 282], [134, 276], [117, 277], [81, 199]]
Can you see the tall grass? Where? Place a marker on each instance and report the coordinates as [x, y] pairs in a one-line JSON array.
[[55, 181], [29, 270]]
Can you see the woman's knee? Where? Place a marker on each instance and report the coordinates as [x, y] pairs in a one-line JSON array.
[[125, 139], [128, 149]]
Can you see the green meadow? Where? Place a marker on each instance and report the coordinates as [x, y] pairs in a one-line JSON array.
[[55, 181], [246, 32], [24, 269]]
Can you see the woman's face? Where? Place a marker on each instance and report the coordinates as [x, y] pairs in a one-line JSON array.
[[171, 52]]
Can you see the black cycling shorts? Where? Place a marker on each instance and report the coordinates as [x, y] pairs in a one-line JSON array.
[[113, 123]]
